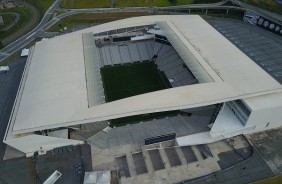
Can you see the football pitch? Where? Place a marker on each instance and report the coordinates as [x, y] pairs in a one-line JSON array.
[[121, 81]]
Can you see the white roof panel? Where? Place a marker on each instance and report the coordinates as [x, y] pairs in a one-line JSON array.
[[55, 86], [53, 92], [265, 101], [25, 52]]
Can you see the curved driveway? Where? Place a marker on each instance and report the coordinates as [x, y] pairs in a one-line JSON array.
[[17, 15]]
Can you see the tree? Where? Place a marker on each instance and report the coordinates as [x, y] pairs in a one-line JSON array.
[[1, 44], [172, 2]]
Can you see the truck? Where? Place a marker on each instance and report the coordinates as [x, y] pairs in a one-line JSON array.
[[4, 69]]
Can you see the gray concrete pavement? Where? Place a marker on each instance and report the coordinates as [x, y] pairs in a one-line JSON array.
[[263, 47], [268, 143], [248, 171], [22, 170], [9, 86]]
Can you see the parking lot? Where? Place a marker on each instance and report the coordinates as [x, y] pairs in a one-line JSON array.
[[263, 47], [70, 161], [9, 83]]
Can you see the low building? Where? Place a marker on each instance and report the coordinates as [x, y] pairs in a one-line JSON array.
[[24, 52]]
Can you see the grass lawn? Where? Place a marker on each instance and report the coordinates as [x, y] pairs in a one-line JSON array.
[[271, 5], [127, 3], [25, 16], [273, 180], [121, 81], [160, 3], [56, 13], [85, 3], [205, 1], [8, 20], [142, 3], [41, 5], [17, 55], [91, 19]]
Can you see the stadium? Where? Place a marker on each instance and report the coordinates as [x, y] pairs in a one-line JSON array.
[[156, 75]]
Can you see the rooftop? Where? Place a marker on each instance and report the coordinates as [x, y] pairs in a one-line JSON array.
[[53, 90]]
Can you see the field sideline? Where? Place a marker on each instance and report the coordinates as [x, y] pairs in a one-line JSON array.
[[121, 81]]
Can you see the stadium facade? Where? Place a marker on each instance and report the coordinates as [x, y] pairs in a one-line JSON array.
[[62, 86]]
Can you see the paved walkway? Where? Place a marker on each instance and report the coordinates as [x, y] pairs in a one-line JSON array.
[[268, 143], [136, 133], [248, 171]]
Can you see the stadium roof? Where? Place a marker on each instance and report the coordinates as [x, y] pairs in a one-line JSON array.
[[53, 90]]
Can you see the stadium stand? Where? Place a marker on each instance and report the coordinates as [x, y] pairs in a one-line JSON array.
[[158, 50], [173, 66], [150, 48], [136, 133], [116, 55], [135, 56], [143, 51], [125, 54], [95, 90]]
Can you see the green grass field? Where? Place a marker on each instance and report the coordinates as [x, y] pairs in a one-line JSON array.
[[8, 20], [142, 3], [121, 81], [128, 3], [85, 4], [273, 180], [271, 5], [91, 19], [41, 5]]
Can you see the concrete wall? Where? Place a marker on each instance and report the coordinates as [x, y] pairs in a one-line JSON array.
[[265, 118], [37, 143]]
